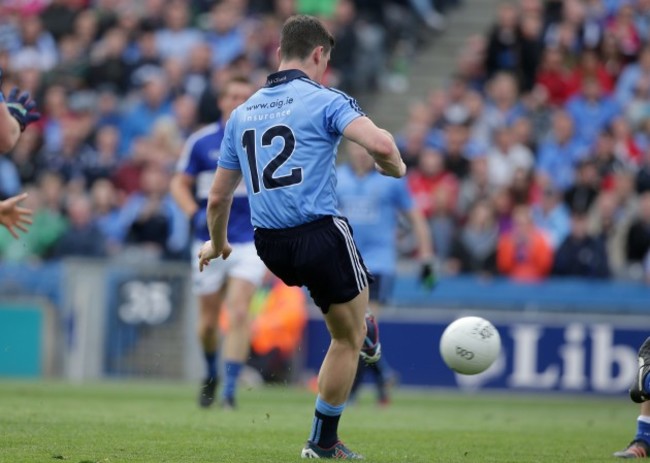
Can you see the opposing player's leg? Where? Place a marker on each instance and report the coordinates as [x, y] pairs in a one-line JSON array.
[[245, 275], [209, 309], [237, 340], [640, 393], [209, 288], [640, 445], [346, 324]]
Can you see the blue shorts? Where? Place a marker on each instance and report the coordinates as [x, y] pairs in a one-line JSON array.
[[320, 255]]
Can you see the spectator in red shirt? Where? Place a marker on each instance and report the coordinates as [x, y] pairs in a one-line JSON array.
[[432, 187], [554, 77], [591, 67], [624, 30]]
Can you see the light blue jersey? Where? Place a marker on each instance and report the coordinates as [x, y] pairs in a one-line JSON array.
[[372, 204], [199, 160], [284, 140]]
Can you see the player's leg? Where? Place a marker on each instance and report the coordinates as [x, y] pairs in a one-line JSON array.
[[381, 372], [640, 393], [237, 341], [346, 324], [246, 273], [380, 369], [209, 309], [341, 276], [373, 309], [321, 255], [640, 445], [208, 286]]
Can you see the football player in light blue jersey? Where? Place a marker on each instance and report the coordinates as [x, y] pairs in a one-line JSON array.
[[284, 141], [373, 204], [233, 282]]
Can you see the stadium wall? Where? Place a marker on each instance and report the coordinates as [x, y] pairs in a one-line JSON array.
[[136, 320], [542, 352]]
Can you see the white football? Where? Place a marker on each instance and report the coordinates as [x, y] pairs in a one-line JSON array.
[[470, 345]]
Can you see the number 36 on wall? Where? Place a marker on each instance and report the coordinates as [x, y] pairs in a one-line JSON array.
[[145, 302]]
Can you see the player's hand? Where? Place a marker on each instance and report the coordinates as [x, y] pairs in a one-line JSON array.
[[207, 253], [382, 171], [13, 217], [428, 277], [22, 108]]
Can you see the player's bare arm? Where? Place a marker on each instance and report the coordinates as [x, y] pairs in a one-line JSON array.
[[379, 143], [219, 203], [181, 190], [13, 216]]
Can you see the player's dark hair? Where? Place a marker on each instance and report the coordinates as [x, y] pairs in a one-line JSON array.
[[237, 79], [301, 34]]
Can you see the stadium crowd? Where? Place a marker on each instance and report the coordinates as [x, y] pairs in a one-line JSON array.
[[534, 160], [122, 84]]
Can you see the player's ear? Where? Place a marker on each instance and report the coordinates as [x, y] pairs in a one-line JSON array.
[[317, 55], [279, 55]]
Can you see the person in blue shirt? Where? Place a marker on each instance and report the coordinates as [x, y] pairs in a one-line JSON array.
[[559, 155], [633, 74], [234, 281], [141, 118], [283, 140], [552, 216], [373, 202], [591, 111]]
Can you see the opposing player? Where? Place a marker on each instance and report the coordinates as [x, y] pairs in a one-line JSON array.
[[284, 141], [232, 282], [373, 202], [16, 112], [640, 393]]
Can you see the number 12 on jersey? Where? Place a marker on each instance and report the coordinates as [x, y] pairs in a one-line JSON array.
[[271, 182]]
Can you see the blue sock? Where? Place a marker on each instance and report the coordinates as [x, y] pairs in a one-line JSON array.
[[211, 364], [232, 373], [643, 429], [324, 428]]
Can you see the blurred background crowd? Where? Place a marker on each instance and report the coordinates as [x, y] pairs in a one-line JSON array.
[[533, 161]]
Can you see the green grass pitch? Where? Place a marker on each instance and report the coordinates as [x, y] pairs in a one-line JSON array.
[[152, 422]]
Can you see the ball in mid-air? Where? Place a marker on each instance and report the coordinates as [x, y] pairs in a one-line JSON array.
[[470, 345]]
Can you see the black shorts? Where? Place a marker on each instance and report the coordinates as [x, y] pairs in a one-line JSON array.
[[320, 255], [382, 288]]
